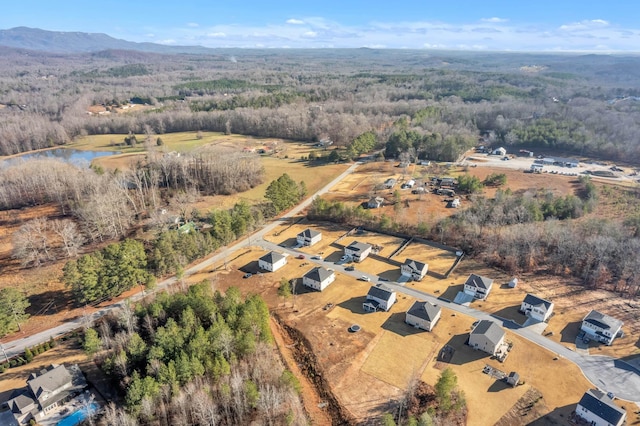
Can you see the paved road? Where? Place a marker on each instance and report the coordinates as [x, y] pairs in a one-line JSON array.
[[604, 372], [16, 347]]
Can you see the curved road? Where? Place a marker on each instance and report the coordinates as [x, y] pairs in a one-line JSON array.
[[604, 372]]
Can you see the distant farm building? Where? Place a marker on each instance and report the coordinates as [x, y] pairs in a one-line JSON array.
[[390, 183], [375, 202], [499, 151]]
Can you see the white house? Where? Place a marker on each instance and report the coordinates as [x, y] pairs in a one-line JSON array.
[[455, 203], [390, 183], [379, 298], [536, 307], [308, 237], [318, 278], [499, 151], [487, 336], [478, 287], [423, 315], [601, 327], [272, 261], [598, 409], [358, 251], [414, 269]]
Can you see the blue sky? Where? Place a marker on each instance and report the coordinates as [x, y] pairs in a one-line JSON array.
[[515, 25]]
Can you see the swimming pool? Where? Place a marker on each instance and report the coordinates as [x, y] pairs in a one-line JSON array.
[[76, 417]]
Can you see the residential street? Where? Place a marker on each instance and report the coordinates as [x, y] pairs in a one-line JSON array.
[[604, 372]]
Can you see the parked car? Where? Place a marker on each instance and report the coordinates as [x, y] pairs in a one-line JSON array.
[[364, 278], [350, 268], [316, 258], [300, 256], [345, 258], [247, 275]]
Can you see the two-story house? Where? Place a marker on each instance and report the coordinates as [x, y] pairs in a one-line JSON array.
[[536, 307], [478, 287], [601, 327], [414, 269]]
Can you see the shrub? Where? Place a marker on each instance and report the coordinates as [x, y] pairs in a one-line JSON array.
[[28, 355]]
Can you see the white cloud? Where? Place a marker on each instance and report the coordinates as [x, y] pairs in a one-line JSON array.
[[495, 20], [193, 25], [495, 33], [168, 41]]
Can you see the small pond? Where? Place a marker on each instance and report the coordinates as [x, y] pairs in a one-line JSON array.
[[75, 156]]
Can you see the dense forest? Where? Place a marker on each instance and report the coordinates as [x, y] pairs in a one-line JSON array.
[[437, 105], [197, 358]]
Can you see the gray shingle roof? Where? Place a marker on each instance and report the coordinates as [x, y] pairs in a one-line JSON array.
[[490, 330], [52, 379], [603, 321], [309, 233], [380, 291], [537, 301], [318, 274], [272, 257], [424, 310], [601, 405], [479, 282], [356, 246], [415, 265]]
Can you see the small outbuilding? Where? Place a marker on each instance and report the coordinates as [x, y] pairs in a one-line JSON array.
[[375, 202], [272, 261], [513, 378], [499, 151], [423, 315], [513, 283]]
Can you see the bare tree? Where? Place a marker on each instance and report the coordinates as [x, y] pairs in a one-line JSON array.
[[69, 236], [31, 242]]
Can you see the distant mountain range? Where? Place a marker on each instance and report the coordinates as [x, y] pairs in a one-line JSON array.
[[78, 42]]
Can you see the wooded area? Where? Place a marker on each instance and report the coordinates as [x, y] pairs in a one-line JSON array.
[[196, 358]]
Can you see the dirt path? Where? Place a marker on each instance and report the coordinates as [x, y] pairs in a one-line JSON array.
[[310, 397]]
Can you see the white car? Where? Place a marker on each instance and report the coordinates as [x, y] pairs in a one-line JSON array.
[[364, 278], [316, 258]]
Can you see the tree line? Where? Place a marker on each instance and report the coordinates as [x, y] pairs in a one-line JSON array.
[[199, 357]]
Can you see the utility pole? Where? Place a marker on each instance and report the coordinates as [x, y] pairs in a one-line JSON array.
[[5, 354]]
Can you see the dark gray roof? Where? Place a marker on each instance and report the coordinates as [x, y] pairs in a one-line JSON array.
[[602, 406], [318, 274], [424, 310], [478, 281], [537, 301], [309, 233], [20, 401], [356, 246], [603, 321], [514, 376], [380, 291], [490, 330], [415, 265], [54, 378], [272, 257]]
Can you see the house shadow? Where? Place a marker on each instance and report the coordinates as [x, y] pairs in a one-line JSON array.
[[436, 275], [464, 354], [334, 257], [354, 305], [511, 313], [289, 242], [251, 267], [452, 291], [390, 275], [300, 289], [499, 385], [570, 331], [558, 416], [395, 323]]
